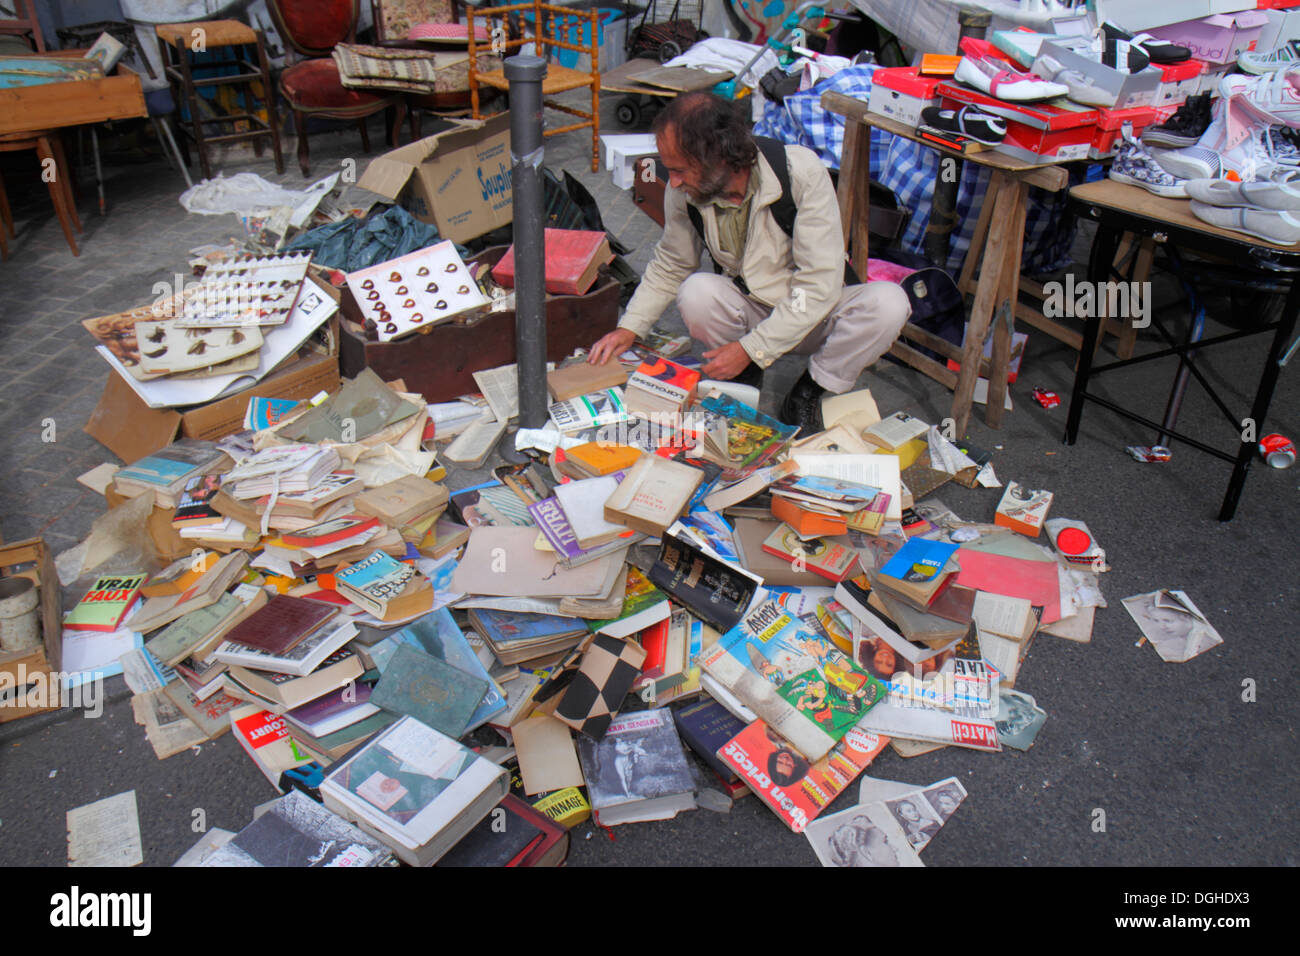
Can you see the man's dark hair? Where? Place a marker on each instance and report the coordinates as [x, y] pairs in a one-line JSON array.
[[710, 130]]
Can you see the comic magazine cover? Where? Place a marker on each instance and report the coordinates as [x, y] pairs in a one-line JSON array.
[[796, 789], [798, 682]]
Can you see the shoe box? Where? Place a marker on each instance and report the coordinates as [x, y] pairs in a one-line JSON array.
[[900, 93], [1129, 89], [1217, 39], [1282, 25], [1208, 81], [1036, 132], [1110, 124], [1179, 81], [1141, 16]]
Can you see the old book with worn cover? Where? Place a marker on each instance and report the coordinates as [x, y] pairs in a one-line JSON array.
[[507, 840], [713, 590], [795, 680], [573, 257], [795, 789], [832, 558], [301, 659], [384, 586], [281, 624], [705, 726], [437, 694], [402, 501], [654, 494], [416, 789], [583, 378], [297, 831], [265, 739], [638, 770], [179, 639]]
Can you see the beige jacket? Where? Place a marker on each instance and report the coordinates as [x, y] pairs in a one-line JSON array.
[[799, 278]]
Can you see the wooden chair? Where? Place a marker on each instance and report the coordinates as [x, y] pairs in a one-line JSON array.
[[312, 87], [49, 151], [24, 25], [547, 22], [175, 44]]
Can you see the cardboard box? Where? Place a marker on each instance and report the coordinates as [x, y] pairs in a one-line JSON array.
[[27, 684], [1023, 509], [130, 429], [902, 92], [457, 180], [1036, 132], [162, 533], [1220, 38], [1282, 25], [1208, 81], [1137, 16], [1129, 89]]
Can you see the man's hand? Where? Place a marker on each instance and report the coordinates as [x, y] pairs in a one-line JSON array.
[[610, 346], [726, 362]]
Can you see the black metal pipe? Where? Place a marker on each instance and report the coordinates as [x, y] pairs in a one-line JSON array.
[[525, 73]]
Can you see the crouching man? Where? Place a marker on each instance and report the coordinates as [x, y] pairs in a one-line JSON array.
[[776, 236]]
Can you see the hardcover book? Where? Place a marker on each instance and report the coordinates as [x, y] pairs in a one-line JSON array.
[[416, 789], [705, 726], [795, 789], [798, 682], [637, 771], [438, 695], [283, 623], [438, 636], [573, 258]]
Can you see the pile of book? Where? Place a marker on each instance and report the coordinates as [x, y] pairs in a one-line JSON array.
[[674, 602]]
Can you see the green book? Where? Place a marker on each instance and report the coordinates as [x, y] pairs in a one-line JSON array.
[[105, 604], [641, 607], [176, 641], [416, 684]]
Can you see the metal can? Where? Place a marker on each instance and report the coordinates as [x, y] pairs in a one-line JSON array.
[[1277, 450]]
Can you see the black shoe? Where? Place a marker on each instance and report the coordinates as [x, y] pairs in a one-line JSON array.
[[1159, 51], [803, 406], [1185, 127], [752, 375]]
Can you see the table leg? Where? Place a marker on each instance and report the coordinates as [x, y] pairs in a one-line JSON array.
[[1002, 192], [1008, 297], [854, 193], [1098, 273], [1263, 397]]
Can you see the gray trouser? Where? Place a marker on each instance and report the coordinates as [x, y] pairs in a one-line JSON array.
[[860, 329]]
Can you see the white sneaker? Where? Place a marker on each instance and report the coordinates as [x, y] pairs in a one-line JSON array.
[[1212, 158], [998, 78], [1279, 191], [1081, 89], [1274, 97], [1279, 59], [1271, 225]]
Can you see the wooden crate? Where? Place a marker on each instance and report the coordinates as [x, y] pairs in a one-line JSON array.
[[33, 559], [72, 103]]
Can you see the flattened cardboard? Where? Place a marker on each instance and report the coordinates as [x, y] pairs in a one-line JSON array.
[[458, 180], [547, 758], [126, 426]]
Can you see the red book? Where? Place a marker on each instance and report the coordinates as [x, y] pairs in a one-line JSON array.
[[328, 532], [573, 257], [281, 623], [655, 641]]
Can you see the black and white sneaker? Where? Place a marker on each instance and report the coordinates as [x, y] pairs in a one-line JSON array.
[[1135, 166], [1184, 128], [1160, 51], [967, 121]]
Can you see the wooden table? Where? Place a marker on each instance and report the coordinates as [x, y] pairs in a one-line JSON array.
[[996, 251], [1117, 209]]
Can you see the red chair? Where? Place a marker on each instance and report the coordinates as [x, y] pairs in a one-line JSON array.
[[312, 87]]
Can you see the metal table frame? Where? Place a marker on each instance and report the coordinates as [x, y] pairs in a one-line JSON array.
[[1110, 205]]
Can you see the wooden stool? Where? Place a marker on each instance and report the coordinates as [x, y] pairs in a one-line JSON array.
[[49, 147], [177, 41]]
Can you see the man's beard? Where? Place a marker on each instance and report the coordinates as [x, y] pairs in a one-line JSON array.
[[710, 188]]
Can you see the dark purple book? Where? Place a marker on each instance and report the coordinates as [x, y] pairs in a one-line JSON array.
[[338, 709]]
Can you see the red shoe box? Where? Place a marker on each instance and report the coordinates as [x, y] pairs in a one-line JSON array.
[[1036, 132], [1180, 80], [1111, 122], [1276, 4]]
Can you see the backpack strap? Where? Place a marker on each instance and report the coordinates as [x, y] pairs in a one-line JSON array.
[[784, 210]]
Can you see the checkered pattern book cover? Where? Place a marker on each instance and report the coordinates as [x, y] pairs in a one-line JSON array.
[[596, 691]]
